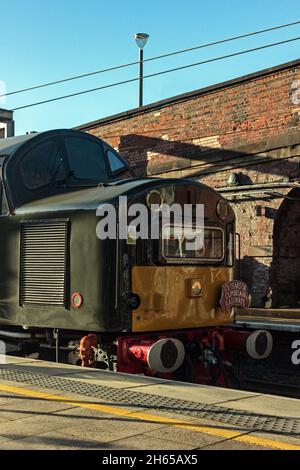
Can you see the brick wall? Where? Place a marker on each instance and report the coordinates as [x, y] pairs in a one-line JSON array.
[[249, 126]]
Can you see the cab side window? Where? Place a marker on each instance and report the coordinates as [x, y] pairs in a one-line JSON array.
[[116, 165], [86, 159]]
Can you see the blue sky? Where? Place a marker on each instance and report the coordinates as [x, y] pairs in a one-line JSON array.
[[48, 40]]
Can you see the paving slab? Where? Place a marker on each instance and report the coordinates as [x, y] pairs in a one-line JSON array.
[[229, 444], [144, 442], [268, 404], [107, 428], [194, 392], [191, 438], [53, 440], [295, 440], [6, 360], [115, 380], [43, 367]]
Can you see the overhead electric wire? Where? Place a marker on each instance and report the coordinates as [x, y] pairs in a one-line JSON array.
[[157, 73], [129, 64]]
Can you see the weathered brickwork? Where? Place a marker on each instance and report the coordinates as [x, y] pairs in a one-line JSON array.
[[249, 127]]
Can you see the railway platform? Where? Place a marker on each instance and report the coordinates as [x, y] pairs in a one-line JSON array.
[[282, 319], [53, 406]]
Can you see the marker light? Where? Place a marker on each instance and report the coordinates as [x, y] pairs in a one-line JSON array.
[[76, 300]]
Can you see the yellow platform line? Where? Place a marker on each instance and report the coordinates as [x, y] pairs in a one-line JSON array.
[[225, 433]]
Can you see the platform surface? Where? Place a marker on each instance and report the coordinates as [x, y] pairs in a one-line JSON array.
[[57, 406], [283, 319]]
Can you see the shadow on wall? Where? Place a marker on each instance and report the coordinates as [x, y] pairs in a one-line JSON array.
[[256, 276], [152, 155], [285, 270]]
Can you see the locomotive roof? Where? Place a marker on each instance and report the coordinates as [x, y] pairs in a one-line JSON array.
[[20, 183], [12, 144], [87, 198]]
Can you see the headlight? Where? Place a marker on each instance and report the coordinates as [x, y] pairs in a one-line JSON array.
[[195, 288], [154, 198]]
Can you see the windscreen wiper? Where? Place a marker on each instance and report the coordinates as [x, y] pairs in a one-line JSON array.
[[62, 181]]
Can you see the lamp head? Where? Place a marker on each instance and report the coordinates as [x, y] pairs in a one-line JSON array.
[[141, 39]]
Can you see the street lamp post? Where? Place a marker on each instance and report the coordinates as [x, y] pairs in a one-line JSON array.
[[141, 39]]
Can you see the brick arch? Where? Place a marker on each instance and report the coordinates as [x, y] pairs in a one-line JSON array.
[[285, 272]]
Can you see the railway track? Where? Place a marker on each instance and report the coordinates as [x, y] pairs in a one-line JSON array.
[[276, 375], [270, 388]]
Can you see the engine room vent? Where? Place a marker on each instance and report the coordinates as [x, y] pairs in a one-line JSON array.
[[44, 263]]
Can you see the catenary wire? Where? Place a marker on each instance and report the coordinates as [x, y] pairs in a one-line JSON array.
[[71, 95], [169, 54]]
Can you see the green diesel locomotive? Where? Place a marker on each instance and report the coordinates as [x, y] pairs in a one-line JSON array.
[[130, 304]]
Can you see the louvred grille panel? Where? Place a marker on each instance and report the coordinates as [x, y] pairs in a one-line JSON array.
[[44, 263]]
